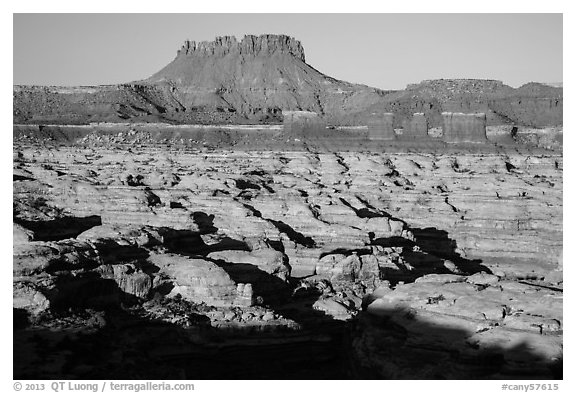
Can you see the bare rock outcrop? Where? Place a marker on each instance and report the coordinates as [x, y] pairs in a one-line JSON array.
[[264, 45], [447, 321], [29, 297], [533, 104], [200, 280], [464, 127], [302, 124], [21, 234], [381, 126], [416, 128], [443, 265]]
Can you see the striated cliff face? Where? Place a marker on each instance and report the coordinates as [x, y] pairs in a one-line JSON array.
[[464, 127], [254, 79], [263, 45]]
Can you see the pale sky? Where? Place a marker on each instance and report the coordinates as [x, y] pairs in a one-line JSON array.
[[387, 51]]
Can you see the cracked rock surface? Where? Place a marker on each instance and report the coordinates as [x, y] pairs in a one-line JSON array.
[[349, 264]]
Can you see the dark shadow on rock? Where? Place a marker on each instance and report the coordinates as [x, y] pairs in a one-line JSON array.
[[436, 242], [126, 343], [347, 252], [20, 318], [59, 228], [243, 184], [88, 290], [275, 292], [134, 348], [365, 212], [427, 253], [295, 236], [117, 340], [183, 240], [176, 205], [151, 198], [277, 245], [111, 252], [94, 330], [21, 178], [404, 353], [191, 243], [271, 288], [205, 222]]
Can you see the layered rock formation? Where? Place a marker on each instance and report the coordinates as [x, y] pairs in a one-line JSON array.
[[501, 103], [200, 280], [452, 258], [300, 124], [416, 128], [258, 76], [462, 127], [250, 45], [381, 126], [533, 104], [254, 79], [491, 204]]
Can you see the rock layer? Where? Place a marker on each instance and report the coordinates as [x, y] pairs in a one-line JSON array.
[[439, 265], [462, 127], [302, 124], [416, 128], [264, 45], [381, 126], [253, 80]]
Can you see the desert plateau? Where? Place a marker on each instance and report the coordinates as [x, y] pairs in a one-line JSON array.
[[240, 215]]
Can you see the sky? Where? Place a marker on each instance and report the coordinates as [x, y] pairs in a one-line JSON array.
[[387, 51]]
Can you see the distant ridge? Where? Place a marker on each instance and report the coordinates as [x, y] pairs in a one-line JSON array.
[[554, 84], [254, 79]]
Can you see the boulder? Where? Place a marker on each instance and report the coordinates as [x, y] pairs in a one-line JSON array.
[[333, 308], [29, 297], [483, 278], [199, 280], [265, 268], [339, 267], [21, 234], [33, 258], [129, 279]]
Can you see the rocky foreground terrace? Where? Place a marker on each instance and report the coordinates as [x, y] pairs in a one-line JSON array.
[[173, 257]]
